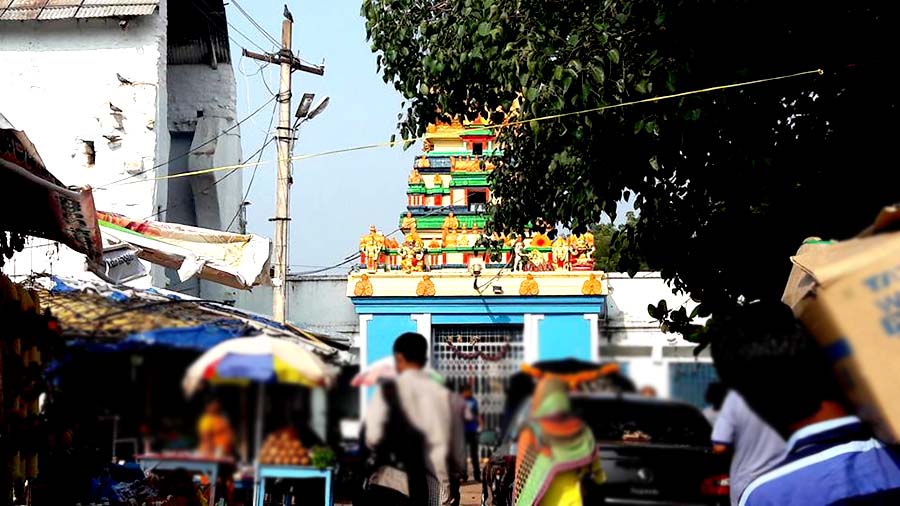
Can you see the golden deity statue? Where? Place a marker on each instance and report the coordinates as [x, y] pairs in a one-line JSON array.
[[423, 162], [371, 245], [415, 177], [408, 224], [438, 182], [560, 253], [451, 239], [463, 239], [451, 222]]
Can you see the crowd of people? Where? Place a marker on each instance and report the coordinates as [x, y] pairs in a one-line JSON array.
[[779, 415]]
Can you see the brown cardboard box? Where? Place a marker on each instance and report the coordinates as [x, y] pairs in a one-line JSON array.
[[847, 294]]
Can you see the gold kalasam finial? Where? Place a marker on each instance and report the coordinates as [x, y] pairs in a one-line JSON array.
[[529, 286], [363, 287], [425, 287], [592, 286]]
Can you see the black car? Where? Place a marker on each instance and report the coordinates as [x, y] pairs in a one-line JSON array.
[[654, 452]]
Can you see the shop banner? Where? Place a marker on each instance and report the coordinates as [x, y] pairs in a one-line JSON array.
[[38, 204]]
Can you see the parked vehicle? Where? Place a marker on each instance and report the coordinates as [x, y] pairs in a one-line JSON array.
[[654, 452]]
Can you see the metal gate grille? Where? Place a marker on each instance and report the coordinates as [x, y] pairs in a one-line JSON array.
[[502, 352]]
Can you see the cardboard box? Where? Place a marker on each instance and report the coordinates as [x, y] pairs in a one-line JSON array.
[[847, 294]]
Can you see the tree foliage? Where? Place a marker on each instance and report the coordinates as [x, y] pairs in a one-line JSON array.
[[614, 251], [727, 183]]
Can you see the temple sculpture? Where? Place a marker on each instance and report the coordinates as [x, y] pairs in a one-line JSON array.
[[371, 246]]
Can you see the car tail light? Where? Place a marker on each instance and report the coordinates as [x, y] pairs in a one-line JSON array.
[[716, 485]]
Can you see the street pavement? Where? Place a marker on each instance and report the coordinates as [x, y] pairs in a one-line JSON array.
[[470, 494]]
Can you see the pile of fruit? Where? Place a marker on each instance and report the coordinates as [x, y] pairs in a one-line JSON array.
[[283, 448]]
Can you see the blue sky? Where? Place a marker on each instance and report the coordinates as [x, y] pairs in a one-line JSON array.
[[335, 198]]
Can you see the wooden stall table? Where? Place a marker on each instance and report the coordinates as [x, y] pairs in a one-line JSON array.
[[266, 471], [208, 466]]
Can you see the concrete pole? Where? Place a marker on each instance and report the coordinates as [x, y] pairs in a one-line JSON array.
[[283, 182]]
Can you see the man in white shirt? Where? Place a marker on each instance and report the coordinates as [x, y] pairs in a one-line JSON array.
[[755, 446], [426, 404]]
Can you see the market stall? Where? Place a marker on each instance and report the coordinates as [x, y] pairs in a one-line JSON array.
[[263, 360]]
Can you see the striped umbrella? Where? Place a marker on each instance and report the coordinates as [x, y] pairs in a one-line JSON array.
[[260, 359], [385, 369]]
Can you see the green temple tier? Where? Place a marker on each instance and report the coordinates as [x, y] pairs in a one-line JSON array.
[[447, 195]]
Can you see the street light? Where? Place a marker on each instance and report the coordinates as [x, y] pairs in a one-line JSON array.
[[319, 108], [305, 103]]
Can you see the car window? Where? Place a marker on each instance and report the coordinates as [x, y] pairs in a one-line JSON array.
[[641, 421]]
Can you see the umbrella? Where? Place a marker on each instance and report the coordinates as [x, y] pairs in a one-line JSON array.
[[384, 369], [260, 360]]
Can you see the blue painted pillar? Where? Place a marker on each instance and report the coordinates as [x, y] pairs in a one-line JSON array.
[[381, 331], [564, 336]]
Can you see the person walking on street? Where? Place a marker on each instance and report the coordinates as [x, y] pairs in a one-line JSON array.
[[754, 446], [456, 465], [472, 425], [421, 405], [831, 456]]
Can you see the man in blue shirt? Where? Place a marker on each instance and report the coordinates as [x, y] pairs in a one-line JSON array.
[[761, 351], [472, 424]]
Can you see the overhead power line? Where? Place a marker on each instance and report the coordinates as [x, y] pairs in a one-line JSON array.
[[206, 143], [507, 125], [254, 23]]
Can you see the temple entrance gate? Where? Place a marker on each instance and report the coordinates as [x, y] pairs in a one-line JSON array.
[[484, 356]]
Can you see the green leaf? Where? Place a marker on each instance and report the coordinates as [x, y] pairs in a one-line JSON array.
[[641, 87], [423, 89], [599, 75], [484, 29], [613, 56], [557, 72], [638, 126]]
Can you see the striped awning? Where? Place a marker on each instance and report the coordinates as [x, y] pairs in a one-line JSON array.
[[27, 10]]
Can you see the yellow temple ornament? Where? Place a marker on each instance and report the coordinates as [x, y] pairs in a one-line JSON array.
[[592, 286], [363, 287], [529, 286], [423, 162], [437, 181], [415, 177], [425, 288], [371, 246], [408, 224]]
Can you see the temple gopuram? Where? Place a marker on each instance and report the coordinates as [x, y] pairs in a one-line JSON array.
[[487, 303]]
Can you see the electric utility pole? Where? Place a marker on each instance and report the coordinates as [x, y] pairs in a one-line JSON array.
[[285, 137]]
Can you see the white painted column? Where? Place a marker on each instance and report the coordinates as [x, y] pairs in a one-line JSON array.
[[423, 326], [530, 336], [363, 345], [594, 321]]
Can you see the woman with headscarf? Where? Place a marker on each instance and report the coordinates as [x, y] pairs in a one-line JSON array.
[[555, 450]]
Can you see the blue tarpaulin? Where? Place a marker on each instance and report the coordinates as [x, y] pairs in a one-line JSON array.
[[199, 338]]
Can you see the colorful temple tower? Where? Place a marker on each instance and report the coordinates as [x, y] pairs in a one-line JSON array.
[[485, 310]]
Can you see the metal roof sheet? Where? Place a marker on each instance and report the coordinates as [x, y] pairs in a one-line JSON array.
[[26, 10]]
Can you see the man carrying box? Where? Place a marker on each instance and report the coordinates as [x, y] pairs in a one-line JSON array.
[[785, 376]]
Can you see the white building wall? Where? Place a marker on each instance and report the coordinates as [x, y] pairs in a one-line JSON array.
[[202, 102], [57, 84], [635, 338]]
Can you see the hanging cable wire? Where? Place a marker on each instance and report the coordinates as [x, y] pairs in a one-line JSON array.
[[505, 125], [253, 174], [213, 184], [222, 133], [349, 258], [254, 23]]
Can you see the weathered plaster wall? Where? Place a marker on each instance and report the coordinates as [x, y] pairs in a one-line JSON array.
[[58, 82]]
